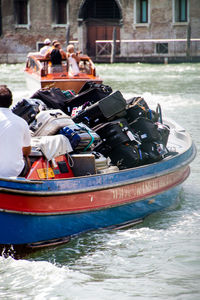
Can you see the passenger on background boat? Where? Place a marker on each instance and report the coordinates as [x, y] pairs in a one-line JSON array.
[[15, 139], [73, 59], [45, 48], [56, 55]]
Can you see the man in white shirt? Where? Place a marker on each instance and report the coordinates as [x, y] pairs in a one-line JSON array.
[[45, 48], [15, 138]]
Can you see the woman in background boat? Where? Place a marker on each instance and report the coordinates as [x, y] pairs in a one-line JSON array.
[[73, 59], [15, 137]]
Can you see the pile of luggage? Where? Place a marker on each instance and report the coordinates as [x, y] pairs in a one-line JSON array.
[[121, 133]]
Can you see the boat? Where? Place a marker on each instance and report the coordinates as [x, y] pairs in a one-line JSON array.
[[35, 213], [38, 74]]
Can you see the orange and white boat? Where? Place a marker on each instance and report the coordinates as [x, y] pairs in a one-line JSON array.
[[38, 74]]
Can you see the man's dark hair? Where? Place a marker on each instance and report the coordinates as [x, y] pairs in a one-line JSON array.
[[5, 96]]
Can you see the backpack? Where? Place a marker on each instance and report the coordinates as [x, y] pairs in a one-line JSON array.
[[56, 57]]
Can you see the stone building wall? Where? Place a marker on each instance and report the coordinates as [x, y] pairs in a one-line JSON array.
[[21, 40]]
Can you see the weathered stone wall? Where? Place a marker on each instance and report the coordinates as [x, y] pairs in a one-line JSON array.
[[17, 40]]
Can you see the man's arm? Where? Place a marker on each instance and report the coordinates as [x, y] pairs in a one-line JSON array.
[[26, 151]]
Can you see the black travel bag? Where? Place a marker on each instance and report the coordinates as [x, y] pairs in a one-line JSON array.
[[137, 107], [90, 93], [26, 110], [105, 89], [164, 131], [53, 98], [106, 109], [146, 129], [116, 132], [125, 156], [90, 96], [154, 151]]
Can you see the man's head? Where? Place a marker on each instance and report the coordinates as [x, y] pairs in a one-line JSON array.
[[47, 42], [54, 42], [5, 96]]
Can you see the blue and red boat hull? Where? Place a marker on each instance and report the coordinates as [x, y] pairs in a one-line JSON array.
[[33, 212]]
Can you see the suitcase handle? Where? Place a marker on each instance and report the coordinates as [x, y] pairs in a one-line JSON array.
[[56, 114]]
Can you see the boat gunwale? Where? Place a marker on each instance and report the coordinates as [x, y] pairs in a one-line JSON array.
[[101, 207], [103, 187]]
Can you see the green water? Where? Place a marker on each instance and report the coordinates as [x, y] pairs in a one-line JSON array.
[[158, 259]]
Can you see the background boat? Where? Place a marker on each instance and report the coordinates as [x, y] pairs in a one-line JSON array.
[[38, 74]]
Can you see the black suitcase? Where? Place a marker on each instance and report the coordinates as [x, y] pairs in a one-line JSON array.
[[106, 109], [26, 110], [146, 129], [92, 96], [125, 156]]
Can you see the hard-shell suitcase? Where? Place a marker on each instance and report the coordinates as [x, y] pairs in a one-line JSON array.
[[83, 164], [49, 122], [26, 110], [106, 109]]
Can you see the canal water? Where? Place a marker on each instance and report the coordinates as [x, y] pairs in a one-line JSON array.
[[158, 259]]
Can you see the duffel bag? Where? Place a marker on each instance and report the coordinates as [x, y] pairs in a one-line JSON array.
[[53, 98]]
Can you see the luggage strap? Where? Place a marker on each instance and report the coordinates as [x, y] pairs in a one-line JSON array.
[[92, 138]]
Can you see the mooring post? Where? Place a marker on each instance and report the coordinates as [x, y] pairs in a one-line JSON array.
[[113, 46], [188, 40], [67, 34]]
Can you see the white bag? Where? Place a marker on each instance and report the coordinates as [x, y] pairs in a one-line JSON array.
[[52, 146], [48, 122]]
